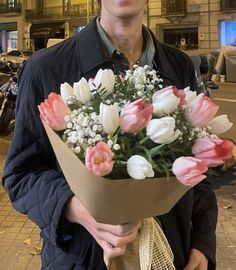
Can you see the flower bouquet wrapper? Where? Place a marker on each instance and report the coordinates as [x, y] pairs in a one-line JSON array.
[[149, 251], [137, 136], [115, 201]]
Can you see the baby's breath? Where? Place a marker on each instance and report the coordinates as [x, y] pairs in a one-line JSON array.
[[83, 130]]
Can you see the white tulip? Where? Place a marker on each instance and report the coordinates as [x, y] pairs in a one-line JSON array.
[[189, 95], [82, 90], [162, 131], [164, 102], [106, 78], [220, 124], [139, 168], [66, 91], [186, 89], [109, 117]]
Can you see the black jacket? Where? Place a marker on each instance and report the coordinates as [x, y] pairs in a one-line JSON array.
[[36, 185]]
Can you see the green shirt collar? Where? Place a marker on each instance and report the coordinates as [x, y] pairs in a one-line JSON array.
[[148, 50]]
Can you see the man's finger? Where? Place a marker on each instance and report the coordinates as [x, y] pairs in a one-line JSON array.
[[118, 241], [192, 265], [197, 261], [111, 251]]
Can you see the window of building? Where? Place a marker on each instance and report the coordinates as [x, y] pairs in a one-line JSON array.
[[40, 6], [185, 39], [228, 33], [171, 7], [228, 5], [12, 40], [12, 3]]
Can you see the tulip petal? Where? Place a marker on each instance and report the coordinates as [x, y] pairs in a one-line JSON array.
[[53, 111], [189, 171]]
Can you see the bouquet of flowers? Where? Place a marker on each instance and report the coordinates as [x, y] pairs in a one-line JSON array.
[[123, 127], [133, 128]]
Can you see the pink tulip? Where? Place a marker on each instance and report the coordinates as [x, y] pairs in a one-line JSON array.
[[53, 111], [179, 93], [202, 111], [135, 116], [99, 159], [213, 151], [189, 171]]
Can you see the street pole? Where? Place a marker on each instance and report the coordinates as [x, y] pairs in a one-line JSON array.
[[88, 14], [209, 25], [147, 14]]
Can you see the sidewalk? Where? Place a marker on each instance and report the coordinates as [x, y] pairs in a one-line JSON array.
[[19, 237], [226, 228], [20, 241]]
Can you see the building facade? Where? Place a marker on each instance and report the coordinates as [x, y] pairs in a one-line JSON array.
[[11, 25], [186, 24], [56, 19], [29, 24], [194, 24]]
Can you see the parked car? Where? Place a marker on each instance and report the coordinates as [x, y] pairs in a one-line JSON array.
[[15, 58]]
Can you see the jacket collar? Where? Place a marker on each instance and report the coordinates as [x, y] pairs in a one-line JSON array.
[[92, 55]]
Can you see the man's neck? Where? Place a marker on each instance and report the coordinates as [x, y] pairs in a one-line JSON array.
[[126, 36]]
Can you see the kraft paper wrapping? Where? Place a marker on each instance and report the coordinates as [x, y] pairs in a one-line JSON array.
[[115, 201]]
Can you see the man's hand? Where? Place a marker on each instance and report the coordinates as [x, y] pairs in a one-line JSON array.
[[197, 261], [112, 238]]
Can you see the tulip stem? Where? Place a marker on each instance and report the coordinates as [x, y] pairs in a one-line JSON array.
[[146, 151], [155, 150], [123, 162], [144, 140]]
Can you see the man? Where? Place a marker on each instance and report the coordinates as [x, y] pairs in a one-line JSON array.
[[72, 238]]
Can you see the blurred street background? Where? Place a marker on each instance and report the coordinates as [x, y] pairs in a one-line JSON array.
[[200, 28], [20, 243]]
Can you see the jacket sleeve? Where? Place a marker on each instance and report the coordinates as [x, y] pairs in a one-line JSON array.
[[32, 176], [204, 220]]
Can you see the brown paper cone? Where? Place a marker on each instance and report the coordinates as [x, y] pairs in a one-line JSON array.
[[115, 201]]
